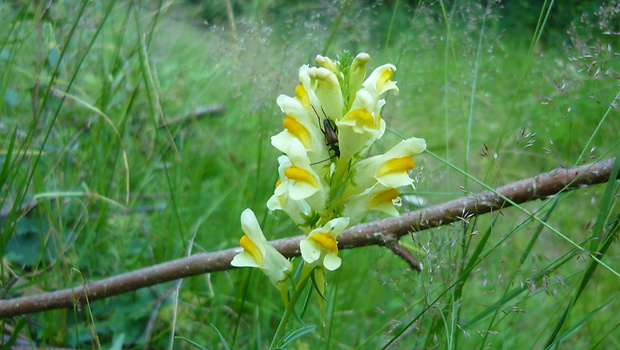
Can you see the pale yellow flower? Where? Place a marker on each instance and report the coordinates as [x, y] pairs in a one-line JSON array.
[[380, 80], [320, 246], [298, 178], [298, 210], [362, 125], [325, 85], [377, 198], [302, 124], [327, 63], [257, 252], [358, 130], [390, 169], [357, 73]]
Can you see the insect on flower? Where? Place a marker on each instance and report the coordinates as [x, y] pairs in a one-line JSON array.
[[330, 130]]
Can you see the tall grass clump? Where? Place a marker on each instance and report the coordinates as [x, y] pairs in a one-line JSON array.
[[136, 132]]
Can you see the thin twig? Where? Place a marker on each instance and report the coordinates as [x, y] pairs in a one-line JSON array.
[[373, 233], [391, 242]]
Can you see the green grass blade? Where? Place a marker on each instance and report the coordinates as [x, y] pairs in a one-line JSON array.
[[554, 230], [606, 205], [296, 335], [195, 344], [524, 256], [597, 345], [17, 328], [7, 164], [556, 342]]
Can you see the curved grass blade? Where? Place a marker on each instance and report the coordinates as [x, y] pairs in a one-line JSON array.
[[296, 335], [612, 229]]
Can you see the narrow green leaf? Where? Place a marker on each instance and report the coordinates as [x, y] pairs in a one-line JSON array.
[[192, 342], [296, 335]]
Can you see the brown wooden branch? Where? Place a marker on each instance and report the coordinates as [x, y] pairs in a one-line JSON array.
[[392, 244], [381, 232]]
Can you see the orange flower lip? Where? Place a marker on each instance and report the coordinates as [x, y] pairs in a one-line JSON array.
[[396, 165], [302, 175], [324, 240], [360, 116], [302, 95], [251, 248], [385, 196], [297, 130]]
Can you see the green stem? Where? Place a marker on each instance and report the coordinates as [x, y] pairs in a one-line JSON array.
[[288, 312], [337, 191]]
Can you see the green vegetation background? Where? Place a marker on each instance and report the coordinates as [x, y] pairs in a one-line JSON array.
[[99, 125]]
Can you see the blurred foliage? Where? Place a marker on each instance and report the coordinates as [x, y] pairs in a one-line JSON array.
[[519, 18]]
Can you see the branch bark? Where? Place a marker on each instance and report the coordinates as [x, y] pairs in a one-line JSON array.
[[381, 232]]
